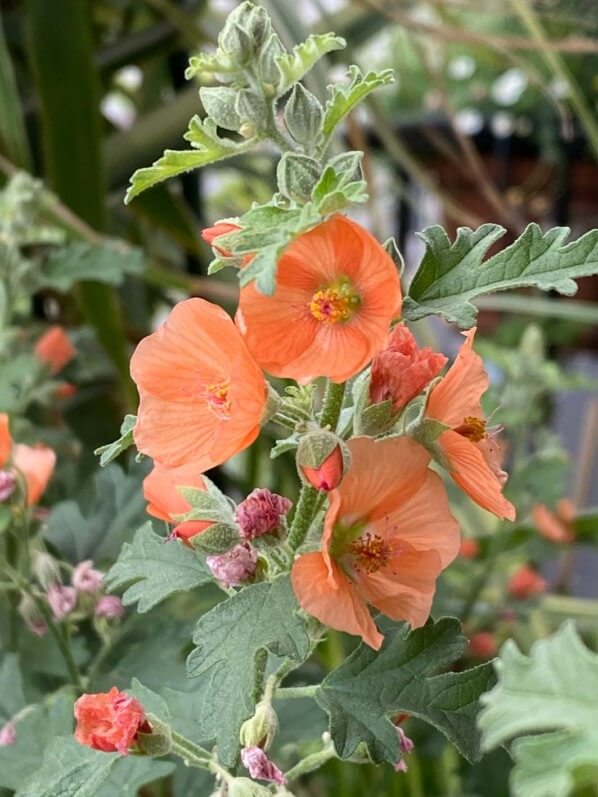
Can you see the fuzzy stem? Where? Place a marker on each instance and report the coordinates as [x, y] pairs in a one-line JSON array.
[[290, 692], [332, 405], [191, 753], [310, 763]]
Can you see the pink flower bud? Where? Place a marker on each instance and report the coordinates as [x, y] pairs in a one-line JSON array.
[[8, 734], [62, 600], [109, 606], [8, 481], [32, 617], [330, 473], [85, 578], [235, 566], [259, 766], [406, 746], [526, 582], [261, 513], [402, 370]]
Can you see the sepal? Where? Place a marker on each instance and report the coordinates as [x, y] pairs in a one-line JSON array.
[[159, 741]]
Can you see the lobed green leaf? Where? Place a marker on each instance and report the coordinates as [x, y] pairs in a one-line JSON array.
[[111, 451], [293, 66], [80, 262], [344, 98]]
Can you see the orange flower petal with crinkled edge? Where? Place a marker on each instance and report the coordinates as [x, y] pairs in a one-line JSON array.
[[471, 472], [5, 439], [55, 349], [338, 606], [458, 394], [160, 489], [36, 463], [202, 395], [283, 333]]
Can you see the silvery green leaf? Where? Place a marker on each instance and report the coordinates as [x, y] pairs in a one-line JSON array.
[[297, 175], [250, 106], [267, 67], [293, 66], [216, 539], [81, 262], [111, 451], [219, 103], [282, 446], [392, 247], [344, 98]]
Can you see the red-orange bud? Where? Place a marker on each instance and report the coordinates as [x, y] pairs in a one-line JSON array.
[[54, 349], [469, 549], [109, 721], [482, 645], [330, 473], [526, 582], [210, 234]]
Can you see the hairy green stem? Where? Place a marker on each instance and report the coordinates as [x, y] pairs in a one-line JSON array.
[[61, 642], [332, 405], [310, 763], [191, 753], [290, 692]]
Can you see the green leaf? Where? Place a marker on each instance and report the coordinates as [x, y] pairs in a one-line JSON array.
[[12, 698], [452, 274], [131, 773], [19, 377], [207, 145], [344, 98], [110, 509], [551, 693], [370, 687], [69, 770], [228, 638], [293, 66], [13, 135], [150, 569], [80, 262], [111, 451]]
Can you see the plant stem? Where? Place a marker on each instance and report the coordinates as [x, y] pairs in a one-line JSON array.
[[61, 642], [292, 692], [310, 763], [332, 405], [191, 753]]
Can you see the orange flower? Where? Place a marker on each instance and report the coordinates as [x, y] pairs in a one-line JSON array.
[[36, 463], [109, 721], [164, 501], [336, 294], [471, 451], [54, 349], [402, 370], [210, 234], [555, 526], [388, 534], [202, 394]]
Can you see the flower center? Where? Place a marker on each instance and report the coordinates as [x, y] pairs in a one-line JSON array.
[[335, 303], [472, 428], [216, 394], [371, 552]]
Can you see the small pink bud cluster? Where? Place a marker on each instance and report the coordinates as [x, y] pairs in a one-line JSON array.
[[110, 607], [406, 746], [8, 482], [86, 578], [234, 567], [259, 766], [261, 513], [8, 734], [62, 600]]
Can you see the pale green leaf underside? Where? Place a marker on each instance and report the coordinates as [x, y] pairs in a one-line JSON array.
[[111, 451], [293, 66], [150, 569], [370, 687], [551, 693], [208, 148], [344, 98], [453, 273], [228, 638], [80, 262]]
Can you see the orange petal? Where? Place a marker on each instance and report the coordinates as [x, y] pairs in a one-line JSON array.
[[550, 525], [340, 608], [424, 521], [55, 349], [5, 440], [471, 472], [458, 394], [160, 489], [383, 475], [37, 465]]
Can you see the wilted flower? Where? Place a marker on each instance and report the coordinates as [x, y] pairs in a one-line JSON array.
[[260, 767], [45, 568], [62, 600], [109, 606], [85, 578], [108, 721], [8, 734], [261, 513], [8, 481], [406, 746], [235, 566]]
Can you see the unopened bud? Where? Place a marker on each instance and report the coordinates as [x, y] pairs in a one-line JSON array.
[[482, 645], [32, 616], [262, 512], [261, 729], [8, 734], [259, 766], [406, 746], [526, 582], [234, 567], [322, 460], [86, 578], [109, 606], [8, 482], [45, 568], [248, 130], [62, 600]]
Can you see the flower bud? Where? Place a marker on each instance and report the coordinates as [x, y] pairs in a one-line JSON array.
[[406, 746], [236, 43], [211, 234], [526, 582], [234, 567], [303, 115], [8, 734], [248, 130], [469, 548], [45, 568], [8, 482], [482, 645], [322, 460], [109, 721], [62, 600], [54, 349], [260, 767], [85, 578], [261, 729], [262, 512], [32, 616], [109, 606]]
